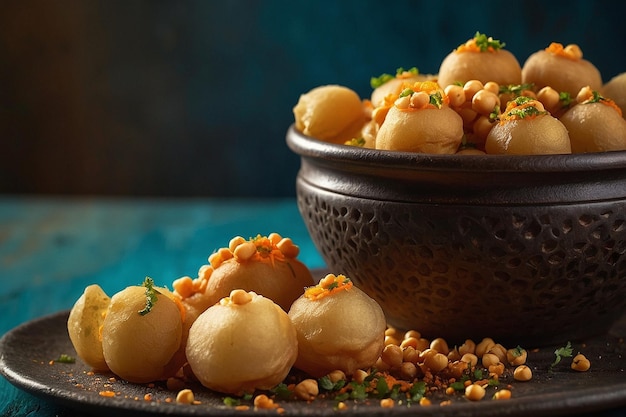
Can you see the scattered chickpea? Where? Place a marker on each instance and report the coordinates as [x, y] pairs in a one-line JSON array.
[[185, 396], [262, 401], [337, 375], [359, 376], [468, 347], [474, 392], [425, 401], [408, 370], [580, 363], [307, 389], [392, 356], [484, 346], [516, 356], [522, 373], [387, 403], [440, 345], [470, 358], [490, 359], [503, 394], [436, 362]]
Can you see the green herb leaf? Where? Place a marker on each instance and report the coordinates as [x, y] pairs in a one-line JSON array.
[[560, 353], [436, 100], [151, 296], [64, 358], [231, 402], [417, 391], [376, 82], [281, 391], [484, 42]]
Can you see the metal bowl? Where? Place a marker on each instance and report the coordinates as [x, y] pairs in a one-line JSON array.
[[523, 249]]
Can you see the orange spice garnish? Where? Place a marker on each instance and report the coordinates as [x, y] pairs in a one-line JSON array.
[[571, 51], [586, 96], [330, 284]]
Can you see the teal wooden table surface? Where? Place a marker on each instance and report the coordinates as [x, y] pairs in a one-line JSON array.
[[51, 248]]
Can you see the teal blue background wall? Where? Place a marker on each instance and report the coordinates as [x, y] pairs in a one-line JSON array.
[[193, 98]]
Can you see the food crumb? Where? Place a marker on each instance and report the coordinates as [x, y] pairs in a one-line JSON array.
[[106, 393], [147, 397]]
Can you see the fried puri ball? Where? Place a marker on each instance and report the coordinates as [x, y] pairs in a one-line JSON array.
[[331, 113], [526, 128], [421, 121], [615, 89], [480, 58], [338, 327], [562, 68], [84, 323], [244, 343], [595, 124], [267, 265], [141, 333]]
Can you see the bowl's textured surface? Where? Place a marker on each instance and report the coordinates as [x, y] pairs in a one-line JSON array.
[[524, 249]]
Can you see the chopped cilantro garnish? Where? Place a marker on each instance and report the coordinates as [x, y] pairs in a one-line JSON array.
[[436, 100], [417, 391], [565, 98], [358, 142], [376, 82], [64, 358], [560, 353], [484, 42], [515, 89], [151, 295], [406, 92]]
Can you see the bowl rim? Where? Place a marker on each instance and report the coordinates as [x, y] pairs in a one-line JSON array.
[[310, 147]]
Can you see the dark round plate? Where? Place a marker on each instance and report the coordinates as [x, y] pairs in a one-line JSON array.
[[26, 353]]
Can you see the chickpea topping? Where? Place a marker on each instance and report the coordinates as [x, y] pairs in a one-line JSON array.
[[238, 297], [456, 95], [580, 363], [474, 392], [307, 390], [288, 248], [185, 396], [183, 286], [244, 251], [408, 370], [359, 376], [412, 334], [472, 87], [234, 242], [522, 373]]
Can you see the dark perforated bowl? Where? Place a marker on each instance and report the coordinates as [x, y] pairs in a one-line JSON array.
[[525, 249]]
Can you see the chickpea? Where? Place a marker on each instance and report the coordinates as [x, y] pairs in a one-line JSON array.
[[408, 370], [484, 346], [499, 351], [470, 358], [337, 375], [455, 94], [387, 403], [440, 345], [484, 102], [436, 362], [489, 359], [516, 356], [503, 394], [185, 396], [307, 390], [472, 87], [467, 347], [580, 363], [474, 392], [522, 373], [392, 356], [492, 86]]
